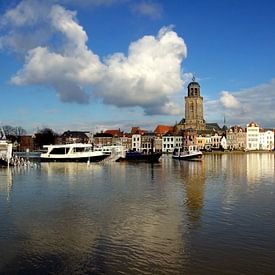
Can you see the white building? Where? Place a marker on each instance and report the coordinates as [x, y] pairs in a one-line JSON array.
[[216, 141], [252, 136], [169, 143], [136, 142], [266, 140]]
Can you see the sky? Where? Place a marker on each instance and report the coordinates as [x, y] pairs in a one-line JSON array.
[[92, 65]]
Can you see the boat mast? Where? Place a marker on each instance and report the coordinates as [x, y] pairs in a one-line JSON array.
[[3, 136]]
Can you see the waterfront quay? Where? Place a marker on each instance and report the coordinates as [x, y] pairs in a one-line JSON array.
[[214, 216]]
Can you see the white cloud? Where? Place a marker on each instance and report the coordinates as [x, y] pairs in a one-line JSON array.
[[229, 101], [25, 26], [250, 104], [92, 3], [148, 77], [67, 71], [25, 13], [148, 8]]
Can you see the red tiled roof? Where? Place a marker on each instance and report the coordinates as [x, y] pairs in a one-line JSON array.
[[114, 133], [137, 130], [163, 129]]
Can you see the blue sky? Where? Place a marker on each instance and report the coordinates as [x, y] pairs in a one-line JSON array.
[[106, 64]]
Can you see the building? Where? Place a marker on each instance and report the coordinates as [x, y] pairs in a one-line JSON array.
[[114, 133], [137, 130], [73, 137], [236, 138], [266, 139], [102, 139], [136, 142], [126, 141], [25, 143], [203, 142], [194, 107], [252, 136], [194, 116], [216, 141], [193, 127], [170, 142], [163, 129], [147, 143]]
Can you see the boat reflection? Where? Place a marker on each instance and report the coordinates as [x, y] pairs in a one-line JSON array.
[[69, 169], [193, 178], [6, 182]]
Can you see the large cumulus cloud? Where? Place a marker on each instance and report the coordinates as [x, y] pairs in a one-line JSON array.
[[148, 76]]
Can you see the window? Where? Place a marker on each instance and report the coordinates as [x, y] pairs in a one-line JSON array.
[[59, 151]]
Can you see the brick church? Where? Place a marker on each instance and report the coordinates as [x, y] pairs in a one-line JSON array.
[[194, 123]]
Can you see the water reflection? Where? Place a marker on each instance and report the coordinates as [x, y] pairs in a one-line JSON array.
[[192, 174], [173, 217], [6, 181], [259, 167]]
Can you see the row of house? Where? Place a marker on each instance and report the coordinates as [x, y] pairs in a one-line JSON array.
[[165, 139]]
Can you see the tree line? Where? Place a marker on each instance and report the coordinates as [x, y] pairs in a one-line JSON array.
[[41, 137]]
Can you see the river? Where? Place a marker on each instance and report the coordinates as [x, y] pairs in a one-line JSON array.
[[215, 216]]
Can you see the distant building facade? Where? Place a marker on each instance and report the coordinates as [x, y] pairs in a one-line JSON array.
[[266, 138], [73, 137], [170, 142], [252, 136], [236, 138]]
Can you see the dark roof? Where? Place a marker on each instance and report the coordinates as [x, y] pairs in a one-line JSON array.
[[224, 128], [74, 134], [182, 121], [213, 126], [103, 135], [193, 83]]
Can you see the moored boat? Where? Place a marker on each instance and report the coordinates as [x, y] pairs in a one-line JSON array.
[[187, 153], [75, 152], [5, 153], [142, 157]]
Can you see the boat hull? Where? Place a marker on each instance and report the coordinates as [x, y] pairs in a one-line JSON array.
[[141, 157], [74, 159], [195, 156], [4, 163]]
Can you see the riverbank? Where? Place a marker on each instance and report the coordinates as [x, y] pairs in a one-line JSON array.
[[238, 152]]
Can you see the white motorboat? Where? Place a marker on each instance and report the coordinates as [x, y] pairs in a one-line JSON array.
[[187, 153], [111, 149], [114, 152], [5, 149], [5, 153], [75, 152]]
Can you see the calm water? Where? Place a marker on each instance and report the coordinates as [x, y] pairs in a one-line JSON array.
[[211, 217]]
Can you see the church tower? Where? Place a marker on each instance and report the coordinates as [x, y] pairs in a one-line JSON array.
[[194, 107]]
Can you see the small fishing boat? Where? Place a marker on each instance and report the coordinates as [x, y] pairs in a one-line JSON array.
[[187, 153], [75, 152]]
